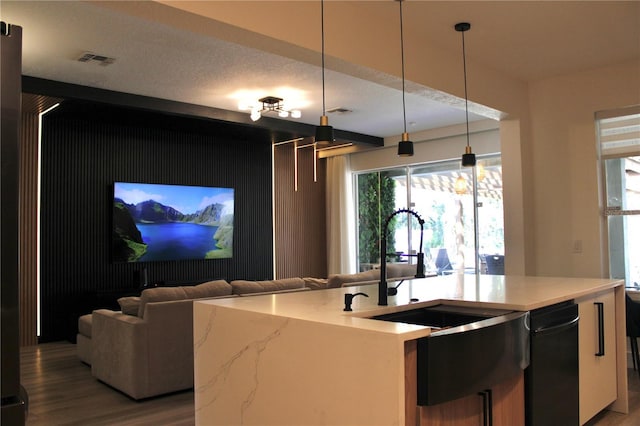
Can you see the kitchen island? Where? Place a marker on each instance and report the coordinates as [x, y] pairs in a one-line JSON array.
[[300, 359]]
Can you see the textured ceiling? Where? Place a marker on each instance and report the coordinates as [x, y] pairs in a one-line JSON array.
[[528, 41]]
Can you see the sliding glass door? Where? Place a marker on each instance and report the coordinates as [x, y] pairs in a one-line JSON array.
[[442, 194]]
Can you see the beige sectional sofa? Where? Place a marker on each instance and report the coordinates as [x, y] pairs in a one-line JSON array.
[[244, 287], [146, 348], [395, 271], [149, 351]]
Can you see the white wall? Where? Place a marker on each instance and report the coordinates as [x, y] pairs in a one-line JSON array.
[[564, 183]]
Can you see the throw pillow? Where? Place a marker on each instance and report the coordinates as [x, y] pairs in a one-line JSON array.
[[208, 289], [129, 305]]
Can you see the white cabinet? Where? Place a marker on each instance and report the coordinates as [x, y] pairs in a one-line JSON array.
[[597, 353]]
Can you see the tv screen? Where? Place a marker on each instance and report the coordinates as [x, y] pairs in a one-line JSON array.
[[154, 222]]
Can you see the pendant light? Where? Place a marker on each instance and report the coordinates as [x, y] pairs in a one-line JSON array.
[[460, 187], [468, 158], [405, 146], [324, 132]]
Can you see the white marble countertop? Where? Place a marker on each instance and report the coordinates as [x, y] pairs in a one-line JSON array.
[[518, 293], [299, 358]]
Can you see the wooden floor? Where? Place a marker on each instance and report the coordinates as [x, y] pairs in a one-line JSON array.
[[63, 392]]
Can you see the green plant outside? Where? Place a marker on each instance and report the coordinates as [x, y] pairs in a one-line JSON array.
[[376, 202]]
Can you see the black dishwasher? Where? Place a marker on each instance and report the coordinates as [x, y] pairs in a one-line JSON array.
[[551, 379]]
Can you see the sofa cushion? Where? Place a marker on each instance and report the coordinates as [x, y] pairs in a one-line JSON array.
[[84, 325], [244, 287], [337, 280], [262, 293], [315, 283], [401, 270], [208, 289], [129, 305], [160, 294]]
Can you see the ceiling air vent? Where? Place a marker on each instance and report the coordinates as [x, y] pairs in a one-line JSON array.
[[100, 59], [338, 110]]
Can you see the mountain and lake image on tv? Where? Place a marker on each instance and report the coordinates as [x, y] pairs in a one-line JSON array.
[[156, 222]]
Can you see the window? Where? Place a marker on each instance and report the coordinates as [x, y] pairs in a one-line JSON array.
[[619, 138], [442, 194]]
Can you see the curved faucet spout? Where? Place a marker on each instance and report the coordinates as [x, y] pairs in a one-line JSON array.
[[382, 285]]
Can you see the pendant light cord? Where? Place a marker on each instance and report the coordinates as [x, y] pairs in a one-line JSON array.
[[404, 110], [322, 32], [466, 98]]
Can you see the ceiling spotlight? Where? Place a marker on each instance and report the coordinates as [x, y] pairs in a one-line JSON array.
[[273, 104]]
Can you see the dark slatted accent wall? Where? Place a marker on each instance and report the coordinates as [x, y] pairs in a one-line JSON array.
[[85, 149], [300, 216], [28, 229]]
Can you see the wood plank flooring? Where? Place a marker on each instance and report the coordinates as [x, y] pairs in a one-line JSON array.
[[63, 392]]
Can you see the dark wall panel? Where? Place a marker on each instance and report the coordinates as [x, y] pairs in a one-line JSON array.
[[85, 148]]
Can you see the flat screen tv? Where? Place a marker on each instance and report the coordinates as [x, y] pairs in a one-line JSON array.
[[154, 222]]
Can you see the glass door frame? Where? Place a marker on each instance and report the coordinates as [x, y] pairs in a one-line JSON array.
[[407, 170], [610, 211]]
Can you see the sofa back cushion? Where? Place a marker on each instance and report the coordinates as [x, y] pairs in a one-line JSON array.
[[401, 270], [337, 280], [208, 289], [315, 283], [245, 287], [160, 294], [166, 294], [262, 293]]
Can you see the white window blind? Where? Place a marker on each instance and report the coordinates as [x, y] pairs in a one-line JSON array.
[[619, 135]]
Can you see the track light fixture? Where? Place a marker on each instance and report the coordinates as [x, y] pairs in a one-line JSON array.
[[273, 104], [324, 132], [468, 158], [405, 146]]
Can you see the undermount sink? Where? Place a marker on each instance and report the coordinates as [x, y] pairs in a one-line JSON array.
[[470, 350], [444, 317]]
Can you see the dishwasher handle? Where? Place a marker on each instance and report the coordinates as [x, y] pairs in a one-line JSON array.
[[556, 328]]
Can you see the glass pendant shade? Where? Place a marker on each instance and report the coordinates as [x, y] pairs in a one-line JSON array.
[[461, 185], [480, 172], [405, 146], [468, 158], [324, 132]]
